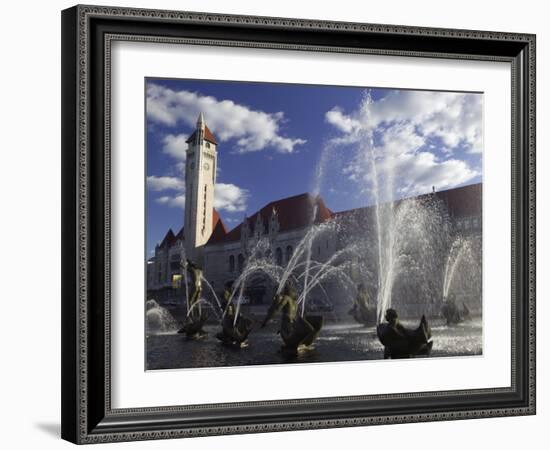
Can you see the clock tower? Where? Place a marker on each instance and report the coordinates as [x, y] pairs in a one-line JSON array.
[[200, 179]]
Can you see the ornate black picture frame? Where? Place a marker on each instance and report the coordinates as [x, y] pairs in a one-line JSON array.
[[87, 35]]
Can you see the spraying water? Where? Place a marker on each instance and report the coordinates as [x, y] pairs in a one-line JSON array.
[[158, 319], [308, 264], [184, 273], [213, 292], [324, 271], [406, 237], [260, 260], [460, 255]]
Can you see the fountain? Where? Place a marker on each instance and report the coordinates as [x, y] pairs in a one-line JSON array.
[[302, 269], [158, 318], [403, 239], [362, 310], [460, 250], [308, 273], [213, 292], [259, 260], [324, 271], [460, 273]]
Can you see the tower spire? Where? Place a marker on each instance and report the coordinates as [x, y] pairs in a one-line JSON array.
[[200, 121], [200, 181]]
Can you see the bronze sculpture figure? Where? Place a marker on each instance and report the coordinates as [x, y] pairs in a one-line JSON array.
[[401, 342], [196, 317], [295, 330]]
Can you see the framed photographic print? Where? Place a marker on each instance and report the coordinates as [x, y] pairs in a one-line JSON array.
[[255, 207]]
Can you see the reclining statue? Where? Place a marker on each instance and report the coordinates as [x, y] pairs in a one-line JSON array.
[[195, 317], [234, 332], [401, 342], [296, 331], [361, 311]]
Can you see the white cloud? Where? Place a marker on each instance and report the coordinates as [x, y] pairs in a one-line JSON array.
[[229, 197], [455, 118], [399, 131], [175, 146], [344, 123], [177, 201], [155, 183], [252, 130]]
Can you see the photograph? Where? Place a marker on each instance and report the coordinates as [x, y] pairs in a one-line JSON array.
[[301, 223]]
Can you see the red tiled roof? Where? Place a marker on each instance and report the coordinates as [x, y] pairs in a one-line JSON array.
[[463, 201], [218, 233], [218, 228], [207, 136], [217, 219], [293, 212]]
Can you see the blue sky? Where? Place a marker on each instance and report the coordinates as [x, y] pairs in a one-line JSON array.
[[275, 139]]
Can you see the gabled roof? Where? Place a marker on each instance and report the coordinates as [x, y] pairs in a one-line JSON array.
[[216, 219], [208, 136], [218, 233], [218, 227], [169, 239], [292, 213]]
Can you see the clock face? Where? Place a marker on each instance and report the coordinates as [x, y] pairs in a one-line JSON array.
[[206, 166]]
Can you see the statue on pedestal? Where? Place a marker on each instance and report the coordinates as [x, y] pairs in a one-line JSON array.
[[235, 330], [401, 342], [295, 330], [196, 317]]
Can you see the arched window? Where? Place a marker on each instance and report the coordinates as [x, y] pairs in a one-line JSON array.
[[288, 253], [279, 256], [240, 262], [231, 263]]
